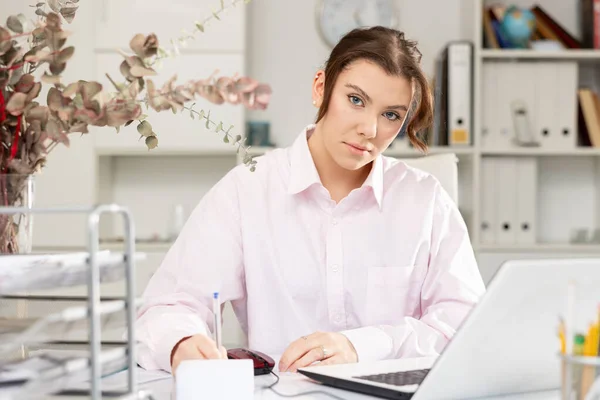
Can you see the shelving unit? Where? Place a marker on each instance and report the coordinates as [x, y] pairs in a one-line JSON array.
[[567, 178], [513, 54]]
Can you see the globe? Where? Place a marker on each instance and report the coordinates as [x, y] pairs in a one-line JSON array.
[[518, 25]]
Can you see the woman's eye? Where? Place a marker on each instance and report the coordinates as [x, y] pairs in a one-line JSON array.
[[391, 116], [355, 100]]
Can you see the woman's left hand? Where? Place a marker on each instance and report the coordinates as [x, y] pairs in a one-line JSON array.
[[326, 347]]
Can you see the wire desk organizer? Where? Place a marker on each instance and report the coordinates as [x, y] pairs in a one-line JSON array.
[[93, 289]]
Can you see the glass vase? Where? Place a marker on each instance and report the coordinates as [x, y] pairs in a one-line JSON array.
[[16, 230]]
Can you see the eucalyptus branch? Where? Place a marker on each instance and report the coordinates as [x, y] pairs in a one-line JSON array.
[[198, 28], [227, 137]]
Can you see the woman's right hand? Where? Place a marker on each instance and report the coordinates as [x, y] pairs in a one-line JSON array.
[[197, 347]]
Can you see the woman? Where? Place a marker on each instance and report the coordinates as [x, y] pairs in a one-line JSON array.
[[328, 251]]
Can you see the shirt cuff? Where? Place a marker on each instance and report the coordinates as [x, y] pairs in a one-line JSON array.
[[370, 343]]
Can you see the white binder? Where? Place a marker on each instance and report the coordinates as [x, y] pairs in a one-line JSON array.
[[567, 85], [546, 121], [460, 89], [506, 200], [503, 129], [526, 190], [488, 201], [556, 85], [489, 126]]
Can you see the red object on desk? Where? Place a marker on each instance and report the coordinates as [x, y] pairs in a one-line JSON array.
[[263, 364]]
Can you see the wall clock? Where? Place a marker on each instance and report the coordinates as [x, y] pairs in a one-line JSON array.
[[337, 17]]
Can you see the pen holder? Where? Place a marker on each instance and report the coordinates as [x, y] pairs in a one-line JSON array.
[[580, 377]]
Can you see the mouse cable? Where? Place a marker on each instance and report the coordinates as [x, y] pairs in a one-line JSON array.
[[270, 387]]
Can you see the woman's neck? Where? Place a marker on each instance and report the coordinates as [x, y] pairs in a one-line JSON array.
[[338, 181]]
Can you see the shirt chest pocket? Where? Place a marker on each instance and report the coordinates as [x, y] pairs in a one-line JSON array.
[[393, 292]]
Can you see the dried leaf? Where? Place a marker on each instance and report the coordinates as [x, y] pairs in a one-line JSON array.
[[51, 79], [145, 129], [5, 41], [54, 5], [200, 26], [25, 84], [53, 129], [16, 103], [126, 71], [34, 92], [39, 113], [68, 12], [65, 54], [139, 71], [41, 55], [137, 44], [53, 20], [144, 46], [16, 23], [89, 90], [128, 122], [72, 89], [81, 127], [57, 68], [151, 142], [55, 99]]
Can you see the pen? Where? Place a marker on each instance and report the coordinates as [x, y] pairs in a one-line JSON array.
[[217, 312]]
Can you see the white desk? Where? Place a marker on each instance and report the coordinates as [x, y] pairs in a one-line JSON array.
[[295, 383], [290, 383]]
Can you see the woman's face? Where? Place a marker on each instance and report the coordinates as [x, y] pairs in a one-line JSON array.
[[366, 111]]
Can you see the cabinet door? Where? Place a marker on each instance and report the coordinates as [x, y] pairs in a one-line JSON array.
[[119, 20], [177, 132]]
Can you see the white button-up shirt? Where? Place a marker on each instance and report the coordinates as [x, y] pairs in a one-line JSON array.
[[390, 266]]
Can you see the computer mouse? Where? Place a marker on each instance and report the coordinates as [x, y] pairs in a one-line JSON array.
[[263, 364]]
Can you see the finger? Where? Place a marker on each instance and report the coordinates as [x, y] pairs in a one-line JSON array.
[[332, 360], [223, 352], [295, 350], [310, 357], [210, 352], [207, 347]]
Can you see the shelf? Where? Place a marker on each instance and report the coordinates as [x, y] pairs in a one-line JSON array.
[[572, 55], [398, 152], [541, 248], [538, 151], [228, 151]]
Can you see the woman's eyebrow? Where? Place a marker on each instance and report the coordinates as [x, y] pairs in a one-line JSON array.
[[368, 98]]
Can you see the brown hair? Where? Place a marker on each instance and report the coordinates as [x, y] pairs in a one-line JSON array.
[[397, 56]]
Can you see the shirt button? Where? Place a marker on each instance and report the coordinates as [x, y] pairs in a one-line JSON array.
[[335, 268], [337, 318], [334, 222]]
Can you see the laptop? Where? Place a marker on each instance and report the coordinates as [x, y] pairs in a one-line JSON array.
[[508, 343]]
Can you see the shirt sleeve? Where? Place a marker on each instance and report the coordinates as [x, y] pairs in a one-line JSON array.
[[450, 290], [205, 258]]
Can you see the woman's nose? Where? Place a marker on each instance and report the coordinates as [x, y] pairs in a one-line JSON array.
[[368, 128]]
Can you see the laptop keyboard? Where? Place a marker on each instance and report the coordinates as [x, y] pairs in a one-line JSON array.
[[400, 378]]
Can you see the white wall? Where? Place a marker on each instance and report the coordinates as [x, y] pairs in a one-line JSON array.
[[284, 49]]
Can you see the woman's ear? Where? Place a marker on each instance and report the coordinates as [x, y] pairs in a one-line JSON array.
[[318, 88]]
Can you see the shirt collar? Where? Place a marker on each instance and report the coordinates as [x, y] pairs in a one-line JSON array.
[[303, 172], [375, 180]]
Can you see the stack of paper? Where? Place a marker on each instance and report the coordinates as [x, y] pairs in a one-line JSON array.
[[59, 326], [33, 272], [52, 371]]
